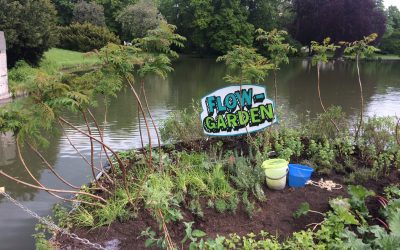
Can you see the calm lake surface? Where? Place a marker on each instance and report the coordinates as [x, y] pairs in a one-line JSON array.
[[191, 80]]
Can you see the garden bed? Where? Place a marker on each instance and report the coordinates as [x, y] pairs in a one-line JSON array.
[[275, 215]]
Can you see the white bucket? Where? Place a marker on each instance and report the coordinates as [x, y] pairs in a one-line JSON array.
[[276, 171]]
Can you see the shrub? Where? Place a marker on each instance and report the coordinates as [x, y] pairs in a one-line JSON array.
[[89, 13], [183, 125], [29, 27], [322, 127], [137, 19], [86, 37], [391, 44]]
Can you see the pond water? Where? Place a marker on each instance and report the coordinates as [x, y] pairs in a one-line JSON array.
[[192, 79]]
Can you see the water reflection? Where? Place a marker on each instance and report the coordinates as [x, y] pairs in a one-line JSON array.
[[7, 149], [192, 79]]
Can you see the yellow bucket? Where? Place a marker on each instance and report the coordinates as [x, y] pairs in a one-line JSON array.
[[276, 171]]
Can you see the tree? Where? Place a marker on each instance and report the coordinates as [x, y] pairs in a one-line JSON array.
[[192, 18], [320, 56], [393, 17], [111, 10], [30, 28], [229, 27], [268, 14], [342, 20], [89, 13], [246, 65], [359, 49], [391, 40], [278, 50], [64, 9], [210, 26], [391, 44], [137, 19]]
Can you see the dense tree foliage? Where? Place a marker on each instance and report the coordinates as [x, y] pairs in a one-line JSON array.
[[269, 14], [342, 20], [137, 19], [64, 9], [29, 27], [112, 8], [215, 26], [89, 13], [391, 40], [85, 37], [210, 25], [391, 44]]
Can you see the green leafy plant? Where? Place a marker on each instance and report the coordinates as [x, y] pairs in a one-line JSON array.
[[247, 65], [247, 177], [183, 125], [357, 201], [303, 210], [41, 242], [152, 239], [322, 154], [195, 236], [249, 205]]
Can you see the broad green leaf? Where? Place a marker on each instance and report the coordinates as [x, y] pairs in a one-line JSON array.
[[303, 210], [198, 233]]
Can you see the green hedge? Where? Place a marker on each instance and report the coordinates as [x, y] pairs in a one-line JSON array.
[[85, 37]]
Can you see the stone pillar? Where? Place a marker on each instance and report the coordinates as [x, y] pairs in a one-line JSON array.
[[4, 94]]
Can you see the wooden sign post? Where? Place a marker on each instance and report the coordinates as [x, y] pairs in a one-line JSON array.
[[2, 190]]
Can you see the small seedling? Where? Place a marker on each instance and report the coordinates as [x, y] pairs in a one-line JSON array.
[[304, 209], [194, 236]]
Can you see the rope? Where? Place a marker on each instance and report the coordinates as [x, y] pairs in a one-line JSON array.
[[51, 225], [328, 184]]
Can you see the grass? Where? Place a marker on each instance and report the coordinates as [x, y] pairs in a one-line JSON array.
[[374, 57], [387, 57], [66, 59]]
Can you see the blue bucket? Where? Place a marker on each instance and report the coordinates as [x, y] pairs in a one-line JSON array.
[[299, 175]]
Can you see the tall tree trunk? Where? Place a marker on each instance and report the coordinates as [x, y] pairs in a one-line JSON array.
[[319, 95], [361, 97]]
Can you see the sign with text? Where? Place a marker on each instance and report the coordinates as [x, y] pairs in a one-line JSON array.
[[236, 110]]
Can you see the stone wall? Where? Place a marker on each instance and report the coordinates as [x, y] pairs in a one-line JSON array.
[[4, 94]]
